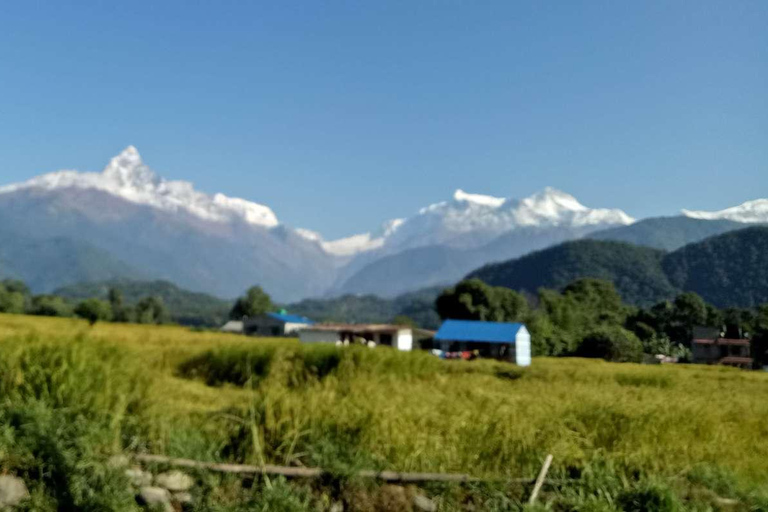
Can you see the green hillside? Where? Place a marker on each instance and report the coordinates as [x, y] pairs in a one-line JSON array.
[[635, 271], [46, 264], [185, 307], [727, 270]]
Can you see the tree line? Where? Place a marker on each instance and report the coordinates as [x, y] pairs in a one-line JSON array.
[[16, 298], [588, 318]]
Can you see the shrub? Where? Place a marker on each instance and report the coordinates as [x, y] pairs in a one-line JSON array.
[[612, 344], [94, 310]]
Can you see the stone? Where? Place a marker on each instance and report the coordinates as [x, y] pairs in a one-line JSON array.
[[175, 481], [424, 504], [138, 477], [13, 491], [336, 507], [155, 497], [182, 498]]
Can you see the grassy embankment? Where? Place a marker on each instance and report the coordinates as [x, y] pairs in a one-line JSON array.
[[629, 435]]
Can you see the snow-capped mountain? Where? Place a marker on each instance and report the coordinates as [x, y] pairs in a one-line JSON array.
[[750, 212], [470, 220], [127, 177], [162, 229], [127, 221]]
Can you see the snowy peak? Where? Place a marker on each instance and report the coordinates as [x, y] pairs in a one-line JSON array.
[[481, 218], [750, 212], [128, 170], [127, 177], [494, 202]]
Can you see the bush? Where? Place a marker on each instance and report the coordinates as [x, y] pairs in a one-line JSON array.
[[612, 344], [94, 310], [50, 305]]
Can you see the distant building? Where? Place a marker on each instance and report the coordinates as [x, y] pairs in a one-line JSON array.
[[710, 347], [233, 326], [275, 324], [507, 341], [396, 336]]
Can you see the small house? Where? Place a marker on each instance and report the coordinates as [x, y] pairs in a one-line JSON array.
[[709, 346], [497, 340], [275, 324], [397, 336]]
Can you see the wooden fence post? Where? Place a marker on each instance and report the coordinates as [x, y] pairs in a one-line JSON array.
[[540, 480]]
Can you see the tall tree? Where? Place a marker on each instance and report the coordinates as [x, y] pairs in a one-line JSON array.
[[255, 302], [472, 299]]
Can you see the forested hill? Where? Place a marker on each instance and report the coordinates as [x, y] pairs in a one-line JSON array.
[[726, 270], [184, 306], [730, 269], [636, 271]]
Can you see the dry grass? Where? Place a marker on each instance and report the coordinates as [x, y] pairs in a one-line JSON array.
[[347, 408]]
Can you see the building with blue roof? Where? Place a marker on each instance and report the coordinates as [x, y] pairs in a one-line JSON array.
[[280, 323], [498, 340]]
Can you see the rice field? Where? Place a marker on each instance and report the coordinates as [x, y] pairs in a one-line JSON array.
[[624, 436]]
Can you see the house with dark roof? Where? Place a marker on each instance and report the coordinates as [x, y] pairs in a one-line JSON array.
[[275, 324], [710, 346], [498, 340]]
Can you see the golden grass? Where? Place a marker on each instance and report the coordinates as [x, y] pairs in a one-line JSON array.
[[414, 413]]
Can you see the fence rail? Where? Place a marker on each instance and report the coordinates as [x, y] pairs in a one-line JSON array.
[[298, 472]]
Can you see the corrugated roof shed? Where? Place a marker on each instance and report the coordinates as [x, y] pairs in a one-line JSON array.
[[471, 330], [291, 319]]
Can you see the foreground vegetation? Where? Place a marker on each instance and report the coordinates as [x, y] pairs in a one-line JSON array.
[[625, 436]]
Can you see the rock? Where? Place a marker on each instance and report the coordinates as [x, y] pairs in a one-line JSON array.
[[183, 498], [424, 504], [175, 481], [336, 507], [13, 491], [118, 461], [155, 497], [138, 477]]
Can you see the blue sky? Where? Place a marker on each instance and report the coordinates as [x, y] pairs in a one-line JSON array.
[[340, 115]]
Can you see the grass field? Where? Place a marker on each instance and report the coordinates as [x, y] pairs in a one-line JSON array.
[[627, 437]]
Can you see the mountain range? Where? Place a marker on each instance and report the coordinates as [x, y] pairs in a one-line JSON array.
[[126, 222]]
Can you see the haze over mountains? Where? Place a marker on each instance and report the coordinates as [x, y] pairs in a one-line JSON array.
[[127, 222]]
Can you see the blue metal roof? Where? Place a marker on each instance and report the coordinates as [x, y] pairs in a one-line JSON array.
[[291, 319], [471, 330]]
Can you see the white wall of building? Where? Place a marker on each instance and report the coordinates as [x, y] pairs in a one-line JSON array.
[[523, 347], [292, 328], [310, 336], [404, 340]]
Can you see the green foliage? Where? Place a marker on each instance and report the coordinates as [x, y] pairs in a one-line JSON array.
[[404, 320], [184, 307], [255, 302], [65, 406], [419, 306], [94, 310], [474, 300], [151, 310], [50, 305], [13, 296], [612, 344]]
